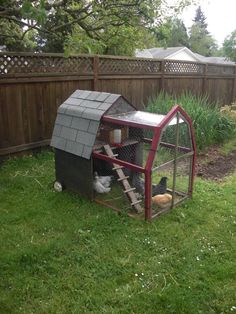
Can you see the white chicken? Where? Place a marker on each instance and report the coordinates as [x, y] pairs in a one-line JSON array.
[[104, 180], [99, 187]]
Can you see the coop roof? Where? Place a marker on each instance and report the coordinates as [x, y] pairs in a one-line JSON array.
[[139, 118], [78, 120]]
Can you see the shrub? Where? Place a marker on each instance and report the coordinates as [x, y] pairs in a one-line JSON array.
[[210, 125]]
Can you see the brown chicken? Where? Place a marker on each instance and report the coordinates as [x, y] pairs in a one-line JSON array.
[[162, 200]]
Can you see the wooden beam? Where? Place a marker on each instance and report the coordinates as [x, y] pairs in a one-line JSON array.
[[19, 148], [95, 72], [234, 86]]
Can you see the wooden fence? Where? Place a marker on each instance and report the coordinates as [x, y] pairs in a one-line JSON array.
[[32, 86]]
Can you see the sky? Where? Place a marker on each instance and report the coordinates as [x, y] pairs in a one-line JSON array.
[[220, 17]]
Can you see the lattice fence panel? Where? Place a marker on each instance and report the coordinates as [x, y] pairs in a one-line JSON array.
[[37, 64], [182, 67], [128, 66]]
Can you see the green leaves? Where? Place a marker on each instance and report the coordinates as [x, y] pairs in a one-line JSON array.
[[108, 26], [34, 11], [172, 33], [210, 125], [229, 46], [200, 40]]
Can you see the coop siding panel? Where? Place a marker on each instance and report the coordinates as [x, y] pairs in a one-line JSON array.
[[93, 114], [102, 97], [71, 170], [68, 133], [75, 111], [93, 127], [80, 124], [104, 106], [87, 152], [58, 142], [112, 98], [90, 104], [63, 119], [74, 148], [85, 138], [57, 130]]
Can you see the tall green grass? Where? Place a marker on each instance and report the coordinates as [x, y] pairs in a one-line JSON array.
[[210, 125]]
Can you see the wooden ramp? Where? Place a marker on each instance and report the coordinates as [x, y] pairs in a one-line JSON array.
[[128, 190]]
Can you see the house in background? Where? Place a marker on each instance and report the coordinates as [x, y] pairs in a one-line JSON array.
[[216, 60], [179, 53]]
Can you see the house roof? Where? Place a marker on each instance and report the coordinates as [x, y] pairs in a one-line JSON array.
[[145, 53], [220, 60], [168, 53], [164, 53], [78, 120]]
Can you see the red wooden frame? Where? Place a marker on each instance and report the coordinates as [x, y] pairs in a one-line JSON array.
[[151, 156]]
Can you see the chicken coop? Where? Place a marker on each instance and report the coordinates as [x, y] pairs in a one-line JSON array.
[[131, 161]]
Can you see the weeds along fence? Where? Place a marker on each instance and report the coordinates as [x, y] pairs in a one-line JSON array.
[[32, 86]]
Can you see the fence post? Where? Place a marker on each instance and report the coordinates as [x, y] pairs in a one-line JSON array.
[[204, 85], [162, 75], [234, 86], [95, 72]]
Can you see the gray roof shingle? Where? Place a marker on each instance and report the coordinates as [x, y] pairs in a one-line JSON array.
[[80, 123], [78, 120]]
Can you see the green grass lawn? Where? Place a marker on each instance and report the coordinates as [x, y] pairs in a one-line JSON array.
[[63, 254]]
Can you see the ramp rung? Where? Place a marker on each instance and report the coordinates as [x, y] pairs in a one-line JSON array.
[[137, 202], [117, 168], [124, 178], [129, 190]]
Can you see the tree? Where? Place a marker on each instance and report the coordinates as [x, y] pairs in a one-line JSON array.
[[200, 40], [229, 46], [54, 20], [54, 23], [113, 41], [172, 33], [201, 19]]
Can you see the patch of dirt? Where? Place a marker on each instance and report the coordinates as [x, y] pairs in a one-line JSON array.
[[215, 166]]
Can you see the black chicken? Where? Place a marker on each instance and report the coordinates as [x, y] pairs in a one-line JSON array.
[[159, 188]]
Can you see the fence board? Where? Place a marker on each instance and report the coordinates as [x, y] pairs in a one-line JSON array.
[[220, 90], [176, 86], [32, 86], [12, 111]]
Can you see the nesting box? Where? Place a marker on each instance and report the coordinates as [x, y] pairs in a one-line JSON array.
[[112, 135], [146, 154]]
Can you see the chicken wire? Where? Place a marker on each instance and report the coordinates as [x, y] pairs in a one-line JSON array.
[[134, 150], [173, 160]]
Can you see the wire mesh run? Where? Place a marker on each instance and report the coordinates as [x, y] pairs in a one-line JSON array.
[[128, 152], [173, 161], [145, 180]]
